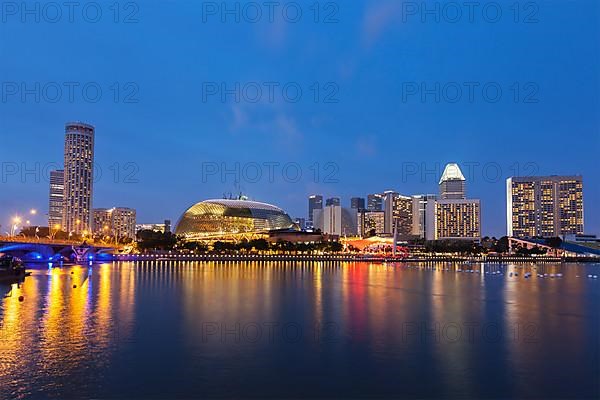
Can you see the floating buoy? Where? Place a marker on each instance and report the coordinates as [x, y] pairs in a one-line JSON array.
[[21, 298]]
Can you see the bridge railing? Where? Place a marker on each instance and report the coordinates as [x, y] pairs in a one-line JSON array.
[[41, 240]]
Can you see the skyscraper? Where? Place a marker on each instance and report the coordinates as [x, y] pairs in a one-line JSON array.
[[424, 218], [315, 202], [375, 202], [458, 219], [371, 223], [79, 177], [388, 208], [545, 206], [349, 221], [333, 201], [398, 211], [357, 203], [452, 183], [55, 208], [332, 220]]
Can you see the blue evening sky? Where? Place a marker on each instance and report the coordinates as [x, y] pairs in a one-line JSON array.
[[371, 58]]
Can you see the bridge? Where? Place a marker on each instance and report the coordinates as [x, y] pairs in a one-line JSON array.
[[48, 250]]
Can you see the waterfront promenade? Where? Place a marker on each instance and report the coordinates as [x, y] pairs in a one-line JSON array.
[[346, 258]]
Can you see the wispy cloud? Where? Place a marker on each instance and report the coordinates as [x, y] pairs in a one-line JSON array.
[[366, 146], [275, 124], [379, 16]]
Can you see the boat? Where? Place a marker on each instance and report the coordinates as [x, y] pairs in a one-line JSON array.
[[11, 269]]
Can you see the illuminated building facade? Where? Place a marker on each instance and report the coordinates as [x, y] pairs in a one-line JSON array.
[[371, 222], [544, 206], [214, 219], [56, 199], [398, 211], [151, 227], [78, 177], [458, 219], [118, 222], [452, 183], [375, 202]]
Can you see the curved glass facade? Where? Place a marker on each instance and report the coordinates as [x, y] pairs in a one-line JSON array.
[[214, 218]]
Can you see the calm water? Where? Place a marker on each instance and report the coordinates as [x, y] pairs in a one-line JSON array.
[[194, 330]]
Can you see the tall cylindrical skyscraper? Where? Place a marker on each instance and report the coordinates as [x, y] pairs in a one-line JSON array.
[[79, 177]]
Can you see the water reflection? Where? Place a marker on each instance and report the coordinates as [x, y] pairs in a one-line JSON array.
[[317, 329]]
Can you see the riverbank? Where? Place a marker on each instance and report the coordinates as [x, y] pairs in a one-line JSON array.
[[347, 258]]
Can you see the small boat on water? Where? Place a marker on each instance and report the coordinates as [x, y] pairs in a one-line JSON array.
[[11, 268]]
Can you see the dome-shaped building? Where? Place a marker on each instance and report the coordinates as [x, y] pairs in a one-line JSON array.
[[222, 218]]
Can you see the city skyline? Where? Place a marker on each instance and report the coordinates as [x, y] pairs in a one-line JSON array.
[[79, 144]]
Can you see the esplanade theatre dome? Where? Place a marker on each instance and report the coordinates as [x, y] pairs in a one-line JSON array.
[[215, 218]]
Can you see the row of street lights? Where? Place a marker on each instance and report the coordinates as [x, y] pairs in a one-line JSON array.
[[17, 220]]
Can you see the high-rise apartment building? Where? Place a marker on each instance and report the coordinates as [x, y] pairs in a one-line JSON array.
[[545, 206], [118, 222], [458, 219], [78, 177], [375, 202], [315, 202], [56, 199]]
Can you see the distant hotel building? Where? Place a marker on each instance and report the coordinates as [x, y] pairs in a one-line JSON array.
[[545, 206], [456, 216], [424, 217], [335, 220], [78, 177], [375, 202], [315, 202], [357, 203], [333, 201], [55, 208], [332, 218], [116, 222], [458, 219], [371, 222]]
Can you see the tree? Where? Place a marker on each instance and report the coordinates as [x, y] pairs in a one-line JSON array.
[[554, 242], [502, 245], [154, 240]]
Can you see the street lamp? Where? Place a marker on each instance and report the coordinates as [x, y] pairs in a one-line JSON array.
[[15, 226], [56, 229]]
